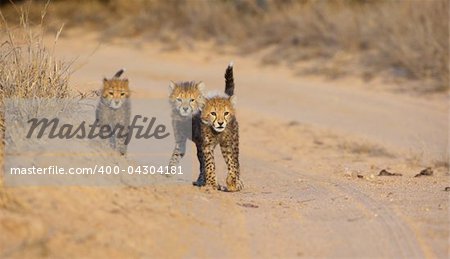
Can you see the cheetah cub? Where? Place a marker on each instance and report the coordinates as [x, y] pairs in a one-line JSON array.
[[220, 127], [114, 110], [186, 99]]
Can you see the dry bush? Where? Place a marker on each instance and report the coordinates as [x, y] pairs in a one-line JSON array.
[[407, 39], [414, 37], [27, 70]]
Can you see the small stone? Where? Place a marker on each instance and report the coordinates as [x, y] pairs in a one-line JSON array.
[[248, 205], [293, 123], [425, 172], [385, 172]]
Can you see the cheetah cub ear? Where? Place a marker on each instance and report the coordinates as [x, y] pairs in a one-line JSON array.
[[233, 100], [171, 85], [201, 87], [201, 102], [201, 98]]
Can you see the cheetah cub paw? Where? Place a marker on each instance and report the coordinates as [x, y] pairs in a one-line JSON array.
[[234, 184], [210, 187]]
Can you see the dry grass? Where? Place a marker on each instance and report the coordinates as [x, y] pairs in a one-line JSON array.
[[444, 163], [407, 39], [28, 70], [403, 39], [364, 148]]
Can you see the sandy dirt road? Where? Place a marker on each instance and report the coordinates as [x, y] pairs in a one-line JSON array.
[[310, 153]]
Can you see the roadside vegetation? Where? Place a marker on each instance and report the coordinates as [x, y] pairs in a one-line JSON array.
[[397, 39], [28, 69]]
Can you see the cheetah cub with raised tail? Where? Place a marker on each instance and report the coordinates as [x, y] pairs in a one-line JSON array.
[[220, 127], [114, 110]]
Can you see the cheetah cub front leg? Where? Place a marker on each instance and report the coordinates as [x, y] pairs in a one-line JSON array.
[[231, 156], [120, 140], [210, 168], [179, 150]]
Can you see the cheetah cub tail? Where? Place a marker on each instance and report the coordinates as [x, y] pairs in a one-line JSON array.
[[119, 73], [229, 80]]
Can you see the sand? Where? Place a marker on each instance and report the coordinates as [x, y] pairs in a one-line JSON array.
[[311, 151]]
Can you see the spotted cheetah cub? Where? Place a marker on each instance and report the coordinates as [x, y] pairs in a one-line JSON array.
[[186, 99], [114, 110], [220, 127]]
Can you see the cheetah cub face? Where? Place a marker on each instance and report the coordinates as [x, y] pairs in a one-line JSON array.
[[218, 112], [115, 92], [186, 98]]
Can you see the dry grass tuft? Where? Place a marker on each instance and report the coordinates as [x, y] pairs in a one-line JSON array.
[[444, 163], [365, 148], [27, 70]]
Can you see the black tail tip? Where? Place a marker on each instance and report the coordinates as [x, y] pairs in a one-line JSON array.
[[119, 73]]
